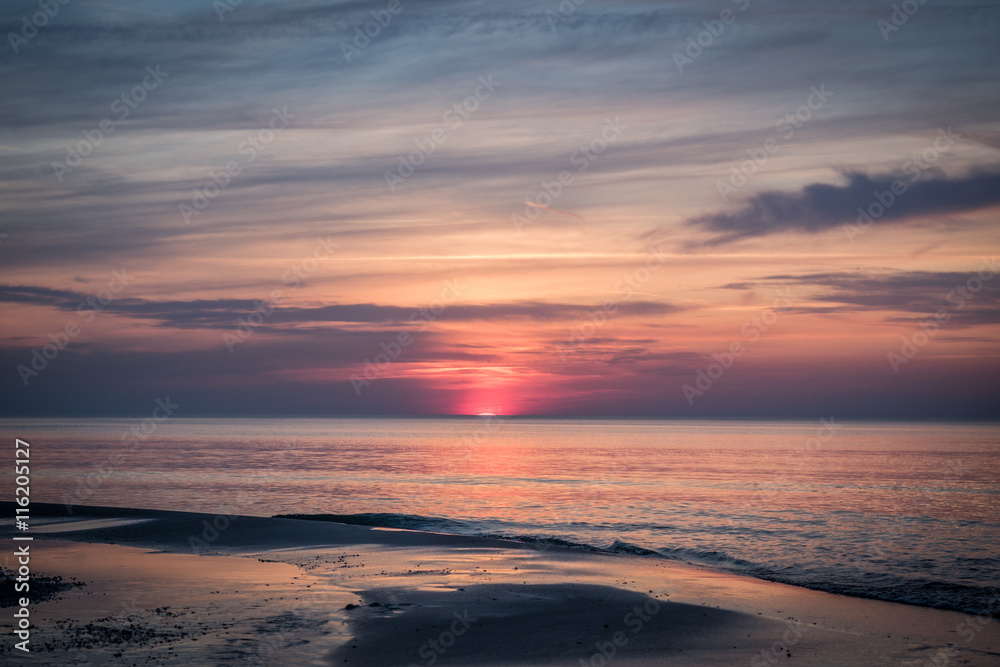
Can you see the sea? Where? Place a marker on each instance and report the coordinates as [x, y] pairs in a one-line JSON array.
[[905, 512]]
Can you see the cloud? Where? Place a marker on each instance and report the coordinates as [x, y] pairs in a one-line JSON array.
[[820, 206], [354, 119], [919, 292], [222, 313]]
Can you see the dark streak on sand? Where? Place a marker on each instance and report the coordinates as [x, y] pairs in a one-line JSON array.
[[41, 587], [541, 624]]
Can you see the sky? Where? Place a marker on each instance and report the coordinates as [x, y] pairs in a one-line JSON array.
[[730, 209]]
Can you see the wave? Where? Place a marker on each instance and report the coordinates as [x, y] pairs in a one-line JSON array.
[[405, 521], [842, 580]]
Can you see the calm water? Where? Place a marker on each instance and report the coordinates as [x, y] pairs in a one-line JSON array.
[[895, 511]]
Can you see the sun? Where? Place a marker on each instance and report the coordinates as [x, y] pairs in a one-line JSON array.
[[486, 414]]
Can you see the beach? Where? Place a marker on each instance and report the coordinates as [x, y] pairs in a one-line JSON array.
[[185, 588], [604, 333]]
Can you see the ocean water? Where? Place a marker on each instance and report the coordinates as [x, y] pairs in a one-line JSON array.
[[895, 511]]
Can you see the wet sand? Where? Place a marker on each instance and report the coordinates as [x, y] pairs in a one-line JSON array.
[[177, 588]]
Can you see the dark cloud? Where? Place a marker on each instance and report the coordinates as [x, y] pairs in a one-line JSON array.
[[222, 313], [820, 206], [968, 299]]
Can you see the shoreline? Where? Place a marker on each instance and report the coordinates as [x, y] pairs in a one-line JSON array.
[[334, 593], [623, 548]]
